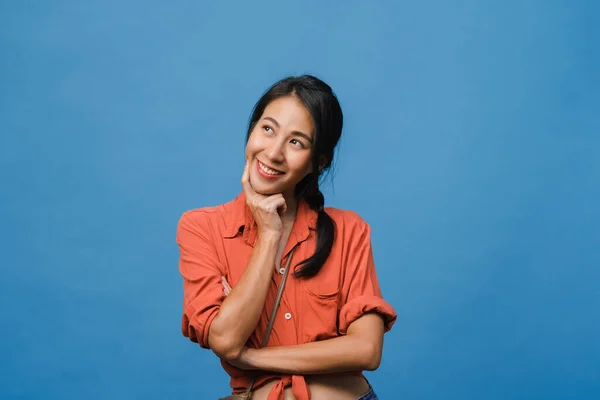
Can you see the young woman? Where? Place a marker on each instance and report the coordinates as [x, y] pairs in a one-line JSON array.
[[330, 323]]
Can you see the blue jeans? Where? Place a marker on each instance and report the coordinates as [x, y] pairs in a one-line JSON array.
[[370, 395]]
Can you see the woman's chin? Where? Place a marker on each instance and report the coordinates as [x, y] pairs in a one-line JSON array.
[[265, 188], [266, 191]]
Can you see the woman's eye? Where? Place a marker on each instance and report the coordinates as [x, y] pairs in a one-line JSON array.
[[296, 142], [268, 129]]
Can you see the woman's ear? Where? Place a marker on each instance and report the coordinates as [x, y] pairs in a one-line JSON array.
[[322, 163]]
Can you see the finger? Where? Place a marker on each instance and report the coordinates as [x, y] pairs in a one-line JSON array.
[[281, 205], [283, 208], [248, 190], [225, 283], [274, 203], [226, 290]]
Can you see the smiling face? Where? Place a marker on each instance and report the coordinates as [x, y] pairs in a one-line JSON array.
[[280, 147]]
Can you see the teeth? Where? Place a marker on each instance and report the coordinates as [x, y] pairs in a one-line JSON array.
[[268, 170]]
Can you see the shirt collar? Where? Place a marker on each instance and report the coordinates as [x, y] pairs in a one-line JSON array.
[[239, 220]]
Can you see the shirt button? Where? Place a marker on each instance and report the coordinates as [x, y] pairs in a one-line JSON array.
[[288, 315], [282, 271]]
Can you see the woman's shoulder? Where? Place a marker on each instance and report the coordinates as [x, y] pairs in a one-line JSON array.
[[346, 218], [215, 216], [203, 213]]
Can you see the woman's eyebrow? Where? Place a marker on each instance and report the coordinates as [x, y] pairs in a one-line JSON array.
[[304, 135], [297, 133], [273, 120]]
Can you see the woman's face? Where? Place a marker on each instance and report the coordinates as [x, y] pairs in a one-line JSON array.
[[279, 149]]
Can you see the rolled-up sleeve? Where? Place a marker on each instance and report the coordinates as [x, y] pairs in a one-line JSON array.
[[360, 289], [201, 272]]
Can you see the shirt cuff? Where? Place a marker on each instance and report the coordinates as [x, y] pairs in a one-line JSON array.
[[362, 305], [198, 332]]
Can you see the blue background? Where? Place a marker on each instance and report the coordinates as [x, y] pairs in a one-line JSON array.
[[471, 146]]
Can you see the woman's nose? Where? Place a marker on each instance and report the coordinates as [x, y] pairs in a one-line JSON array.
[[275, 152]]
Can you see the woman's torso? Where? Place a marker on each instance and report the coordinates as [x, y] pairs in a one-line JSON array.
[[323, 387], [313, 309], [309, 307]]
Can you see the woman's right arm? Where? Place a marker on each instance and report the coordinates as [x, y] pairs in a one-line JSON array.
[[241, 309], [227, 322], [211, 319]]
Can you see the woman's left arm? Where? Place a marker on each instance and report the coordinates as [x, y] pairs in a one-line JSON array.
[[360, 349], [362, 321]]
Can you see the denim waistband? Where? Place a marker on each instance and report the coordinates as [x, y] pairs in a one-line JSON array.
[[370, 395]]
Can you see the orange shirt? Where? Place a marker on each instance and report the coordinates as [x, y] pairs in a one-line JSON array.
[[218, 241]]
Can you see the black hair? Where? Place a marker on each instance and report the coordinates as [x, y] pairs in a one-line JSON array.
[[327, 116]]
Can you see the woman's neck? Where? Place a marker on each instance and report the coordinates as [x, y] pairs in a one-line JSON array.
[[291, 204]]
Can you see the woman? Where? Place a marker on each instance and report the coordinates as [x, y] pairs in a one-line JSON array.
[[330, 323]]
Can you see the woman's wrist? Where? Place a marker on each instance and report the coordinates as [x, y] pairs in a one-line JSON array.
[[270, 234], [247, 359], [270, 237]]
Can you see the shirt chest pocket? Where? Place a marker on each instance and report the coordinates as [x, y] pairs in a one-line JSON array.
[[319, 297]]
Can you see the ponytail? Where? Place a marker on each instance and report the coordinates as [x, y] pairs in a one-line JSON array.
[[325, 229], [324, 108]]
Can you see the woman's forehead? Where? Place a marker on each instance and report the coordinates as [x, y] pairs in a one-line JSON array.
[[289, 114]]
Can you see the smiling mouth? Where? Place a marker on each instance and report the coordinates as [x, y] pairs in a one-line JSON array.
[[267, 170]]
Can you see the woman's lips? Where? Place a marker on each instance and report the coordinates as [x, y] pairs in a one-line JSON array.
[[265, 174]]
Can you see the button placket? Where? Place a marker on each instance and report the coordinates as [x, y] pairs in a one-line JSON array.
[[288, 300]]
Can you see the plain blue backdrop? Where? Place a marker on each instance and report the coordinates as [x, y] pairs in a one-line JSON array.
[[471, 146]]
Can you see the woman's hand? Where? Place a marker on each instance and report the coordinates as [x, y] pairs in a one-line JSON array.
[[226, 287], [264, 209]]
